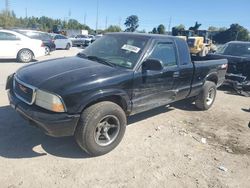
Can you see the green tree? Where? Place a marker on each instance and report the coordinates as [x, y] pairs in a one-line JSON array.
[[235, 32], [212, 28], [161, 29], [142, 31], [154, 31], [7, 19], [178, 30], [131, 23], [113, 28]]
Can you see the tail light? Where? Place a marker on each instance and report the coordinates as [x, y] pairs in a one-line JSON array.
[[224, 66], [42, 45]]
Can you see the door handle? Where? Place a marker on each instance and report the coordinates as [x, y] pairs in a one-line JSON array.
[[176, 74]]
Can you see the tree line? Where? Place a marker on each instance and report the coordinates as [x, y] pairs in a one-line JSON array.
[[8, 19], [219, 35]]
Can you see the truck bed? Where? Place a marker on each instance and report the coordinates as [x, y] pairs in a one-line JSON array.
[[204, 67]]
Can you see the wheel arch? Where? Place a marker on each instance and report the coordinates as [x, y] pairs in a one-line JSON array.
[[119, 97], [25, 49], [212, 77]]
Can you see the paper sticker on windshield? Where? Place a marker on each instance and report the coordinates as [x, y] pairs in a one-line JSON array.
[[131, 48]]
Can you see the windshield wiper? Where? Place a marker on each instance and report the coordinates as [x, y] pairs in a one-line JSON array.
[[101, 60]]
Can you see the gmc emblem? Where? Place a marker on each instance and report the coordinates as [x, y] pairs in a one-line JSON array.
[[23, 89]]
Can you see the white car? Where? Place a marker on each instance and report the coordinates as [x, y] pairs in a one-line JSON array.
[[61, 41], [16, 45]]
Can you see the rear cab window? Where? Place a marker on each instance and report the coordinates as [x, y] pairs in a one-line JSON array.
[[165, 52], [183, 52]]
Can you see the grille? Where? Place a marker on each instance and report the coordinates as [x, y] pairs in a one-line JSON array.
[[23, 91]]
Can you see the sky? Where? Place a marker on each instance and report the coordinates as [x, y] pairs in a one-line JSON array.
[[151, 13]]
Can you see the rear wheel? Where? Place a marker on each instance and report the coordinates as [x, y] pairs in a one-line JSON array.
[[101, 128], [67, 46], [47, 50], [207, 96], [25, 56]]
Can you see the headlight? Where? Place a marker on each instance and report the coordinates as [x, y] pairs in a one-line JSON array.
[[49, 101]]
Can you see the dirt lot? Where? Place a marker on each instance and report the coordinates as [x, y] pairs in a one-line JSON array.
[[161, 148]]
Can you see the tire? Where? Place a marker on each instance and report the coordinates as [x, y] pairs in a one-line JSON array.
[[25, 56], [47, 50], [204, 52], [101, 128], [207, 96], [67, 46]]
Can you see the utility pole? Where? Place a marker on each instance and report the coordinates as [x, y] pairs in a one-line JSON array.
[[169, 24], [69, 14], [6, 14], [26, 13], [7, 5], [106, 22], [85, 16], [97, 16], [237, 34]]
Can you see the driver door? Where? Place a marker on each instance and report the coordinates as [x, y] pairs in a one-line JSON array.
[[154, 88]]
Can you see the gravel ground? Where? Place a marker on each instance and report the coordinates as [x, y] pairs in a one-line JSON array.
[[176, 146]]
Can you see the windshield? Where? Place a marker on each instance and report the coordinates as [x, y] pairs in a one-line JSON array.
[[191, 42], [235, 49], [120, 50]]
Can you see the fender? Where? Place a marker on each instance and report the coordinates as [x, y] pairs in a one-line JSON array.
[[98, 95], [212, 76]]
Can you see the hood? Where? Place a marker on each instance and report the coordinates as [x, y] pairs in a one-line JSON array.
[[61, 74]]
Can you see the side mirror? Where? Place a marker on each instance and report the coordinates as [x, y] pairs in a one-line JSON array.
[[152, 64]]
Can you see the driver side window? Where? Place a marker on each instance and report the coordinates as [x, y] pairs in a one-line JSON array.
[[165, 52]]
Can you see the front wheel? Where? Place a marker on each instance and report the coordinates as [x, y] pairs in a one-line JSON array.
[[101, 128], [207, 96]]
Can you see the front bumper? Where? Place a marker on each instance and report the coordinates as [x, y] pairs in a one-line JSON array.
[[80, 43], [53, 124]]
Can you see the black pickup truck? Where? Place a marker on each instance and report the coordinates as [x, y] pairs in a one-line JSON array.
[[238, 55], [92, 94]]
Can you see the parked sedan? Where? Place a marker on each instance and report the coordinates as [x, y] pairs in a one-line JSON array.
[[80, 40], [61, 41], [21, 47], [45, 37]]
